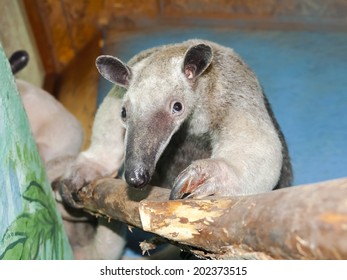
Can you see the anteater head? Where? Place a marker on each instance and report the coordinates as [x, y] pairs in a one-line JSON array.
[[160, 97]]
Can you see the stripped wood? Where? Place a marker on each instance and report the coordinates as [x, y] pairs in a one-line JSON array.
[[302, 222]]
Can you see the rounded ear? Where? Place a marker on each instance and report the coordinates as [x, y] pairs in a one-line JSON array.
[[114, 70], [196, 60]]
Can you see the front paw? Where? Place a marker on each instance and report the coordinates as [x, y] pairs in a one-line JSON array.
[[201, 179], [67, 189], [77, 177], [67, 194]]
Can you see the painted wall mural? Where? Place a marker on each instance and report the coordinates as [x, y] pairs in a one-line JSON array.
[[30, 226]]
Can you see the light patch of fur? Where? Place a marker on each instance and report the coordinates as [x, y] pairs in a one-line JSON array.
[[254, 155]]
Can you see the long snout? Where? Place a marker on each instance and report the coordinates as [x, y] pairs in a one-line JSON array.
[[145, 142], [137, 177]]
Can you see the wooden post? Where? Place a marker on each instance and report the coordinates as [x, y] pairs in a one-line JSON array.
[[302, 222]]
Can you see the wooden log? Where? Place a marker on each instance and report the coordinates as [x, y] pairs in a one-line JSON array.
[[302, 222], [114, 199]]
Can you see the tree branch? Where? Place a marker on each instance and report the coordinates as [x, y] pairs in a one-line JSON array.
[[302, 222]]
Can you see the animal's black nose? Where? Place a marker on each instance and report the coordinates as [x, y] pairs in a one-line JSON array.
[[137, 178]]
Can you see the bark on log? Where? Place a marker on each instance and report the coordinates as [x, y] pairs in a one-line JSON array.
[[302, 222], [114, 199]]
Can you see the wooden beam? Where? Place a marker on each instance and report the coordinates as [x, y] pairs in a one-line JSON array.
[[77, 86], [302, 222]]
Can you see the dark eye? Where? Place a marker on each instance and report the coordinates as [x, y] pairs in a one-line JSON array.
[[123, 113], [177, 107]]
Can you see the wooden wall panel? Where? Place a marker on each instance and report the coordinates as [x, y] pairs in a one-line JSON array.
[[58, 30], [219, 8], [134, 11], [318, 9], [78, 87], [63, 27], [298, 9], [51, 31], [82, 21]]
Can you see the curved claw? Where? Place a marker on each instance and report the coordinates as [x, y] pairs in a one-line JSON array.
[[204, 178], [69, 198], [187, 182], [180, 187]]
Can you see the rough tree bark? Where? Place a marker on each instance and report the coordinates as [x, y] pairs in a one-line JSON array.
[[302, 222]]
